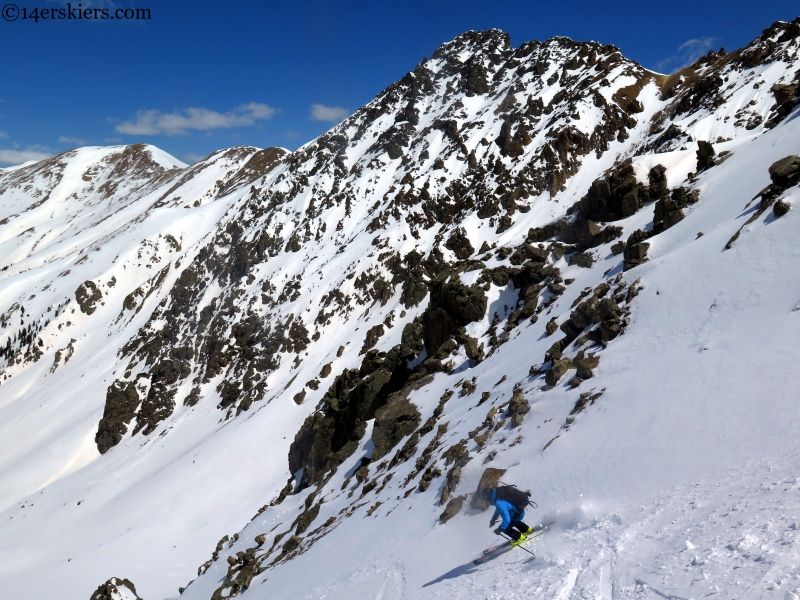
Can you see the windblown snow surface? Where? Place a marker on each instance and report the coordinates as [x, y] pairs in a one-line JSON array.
[[682, 480]]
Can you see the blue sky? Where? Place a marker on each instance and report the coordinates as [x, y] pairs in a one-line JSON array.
[[203, 75]]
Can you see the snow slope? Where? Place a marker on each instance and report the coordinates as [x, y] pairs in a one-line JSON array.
[[231, 294]]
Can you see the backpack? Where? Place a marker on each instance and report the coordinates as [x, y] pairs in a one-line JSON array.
[[515, 496]]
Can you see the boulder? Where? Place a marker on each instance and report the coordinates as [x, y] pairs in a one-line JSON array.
[[88, 295], [122, 399], [784, 93], [459, 244], [554, 352], [585, 366], [705, 155], [636, 249], [518, 407], [551, 327], [780, 208], [116, 588], [453, 508], [489, 479], [582, 259], [292, 543], [786, 171], [394, 421], [454, 474], [373, 335], [557, 371]]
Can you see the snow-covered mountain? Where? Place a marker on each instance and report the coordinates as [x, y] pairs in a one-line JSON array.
[[277, 374]]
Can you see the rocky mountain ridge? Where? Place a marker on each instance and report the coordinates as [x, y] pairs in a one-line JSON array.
[[419, 244]]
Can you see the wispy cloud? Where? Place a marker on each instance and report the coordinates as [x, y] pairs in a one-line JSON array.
[[688, 52], [334, 114], [3, 134], [155, 122], [113, 140], [291, 135], [71, 140], [192, 158], [15, 157]]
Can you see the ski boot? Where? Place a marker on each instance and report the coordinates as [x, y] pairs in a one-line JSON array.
[[518, 541]]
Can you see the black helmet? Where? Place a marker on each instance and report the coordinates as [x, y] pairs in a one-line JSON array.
[[486, 494]]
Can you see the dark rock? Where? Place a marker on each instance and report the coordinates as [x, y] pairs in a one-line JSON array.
[[784, 93], [554, 352], [88, 295], [459, 244], [585, 232], [786, 171], [551, 327], [582, 259], [657, 179], [331, 434], [395, 420], [634, 106], [673, 217], [489, 479], [299, 397], [460, 454], [474, 79], [618, 248], [362, 473], [453, 508], [122, 399], [116, 588], [452, 305], [557, 371], [371, 338], [585, 366], [308, 516], [427, 477], [326, 370], [292, 543], [505, 224], [636, 249], [518, 407], [780, 208], [473, 349], [705, 155], [411, 342]]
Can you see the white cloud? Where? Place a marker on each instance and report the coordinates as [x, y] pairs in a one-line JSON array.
[[688, 52], [113, 140], [3, 134], [15, 157], [192, 158], [334, 114], [71, 140], [155, 122]]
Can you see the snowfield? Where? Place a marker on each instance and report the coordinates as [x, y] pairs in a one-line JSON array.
[[205, 314]]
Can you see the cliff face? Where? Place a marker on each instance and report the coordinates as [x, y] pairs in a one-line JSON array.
[[261, 328]]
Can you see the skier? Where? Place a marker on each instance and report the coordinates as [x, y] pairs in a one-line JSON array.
[[511, 514]]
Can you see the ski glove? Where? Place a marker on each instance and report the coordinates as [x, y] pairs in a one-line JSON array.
[[494, 520], [499, 531]]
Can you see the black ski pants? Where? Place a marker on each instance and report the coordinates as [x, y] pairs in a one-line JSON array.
[[514, 529]]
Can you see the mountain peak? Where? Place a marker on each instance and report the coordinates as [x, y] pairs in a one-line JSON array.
[[528, 257]]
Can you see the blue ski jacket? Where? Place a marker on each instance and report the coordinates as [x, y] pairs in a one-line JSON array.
[[506, 511]]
